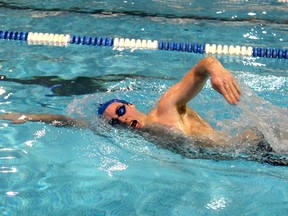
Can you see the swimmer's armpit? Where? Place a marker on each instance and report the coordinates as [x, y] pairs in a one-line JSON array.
[[56, 120]]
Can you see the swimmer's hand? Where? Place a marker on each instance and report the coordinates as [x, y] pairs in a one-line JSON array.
[[15, 118], [224, 83]]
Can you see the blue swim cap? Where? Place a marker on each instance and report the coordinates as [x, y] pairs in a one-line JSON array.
[[103, 107]]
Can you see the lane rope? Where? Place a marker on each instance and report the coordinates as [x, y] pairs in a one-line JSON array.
[[35, 38]]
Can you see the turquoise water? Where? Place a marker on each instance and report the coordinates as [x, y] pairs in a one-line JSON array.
[[46, 170]]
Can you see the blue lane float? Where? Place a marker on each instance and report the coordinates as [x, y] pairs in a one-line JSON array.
[[35, 38]]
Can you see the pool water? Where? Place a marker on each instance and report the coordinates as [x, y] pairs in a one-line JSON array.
[[45, 170]]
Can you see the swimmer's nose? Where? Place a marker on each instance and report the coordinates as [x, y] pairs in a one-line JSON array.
[[123, 120]]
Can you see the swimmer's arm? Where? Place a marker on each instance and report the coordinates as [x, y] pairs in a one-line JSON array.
[[56, 120], [192, 83]]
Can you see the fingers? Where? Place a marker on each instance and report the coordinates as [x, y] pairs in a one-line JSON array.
[[235, 91], [5, 116], [232, 95], [236, 86], [230, 91], [225, 91], [224, 82]]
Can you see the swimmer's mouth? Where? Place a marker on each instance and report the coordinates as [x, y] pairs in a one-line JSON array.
[[134, 124]]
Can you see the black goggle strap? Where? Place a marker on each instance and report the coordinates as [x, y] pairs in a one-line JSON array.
[[113, 121]]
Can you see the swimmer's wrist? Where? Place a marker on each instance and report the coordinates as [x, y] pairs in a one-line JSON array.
[[213, 66]]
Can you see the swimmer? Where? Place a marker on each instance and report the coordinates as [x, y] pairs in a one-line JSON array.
[[171, 111]]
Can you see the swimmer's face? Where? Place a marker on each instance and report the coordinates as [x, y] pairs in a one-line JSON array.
[[127, 114]]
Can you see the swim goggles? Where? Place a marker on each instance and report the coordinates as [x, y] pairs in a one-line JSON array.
[[120, 111]]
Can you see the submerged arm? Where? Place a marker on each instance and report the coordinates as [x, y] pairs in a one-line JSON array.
[[56, 120], [192, 83]]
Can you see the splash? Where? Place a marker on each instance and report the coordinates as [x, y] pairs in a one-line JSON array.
[[271, 120]]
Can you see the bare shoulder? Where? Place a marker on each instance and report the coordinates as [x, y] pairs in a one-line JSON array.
[[164, 116]]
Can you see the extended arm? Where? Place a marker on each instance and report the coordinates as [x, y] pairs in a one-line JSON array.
[[56, 120], [191, 84]]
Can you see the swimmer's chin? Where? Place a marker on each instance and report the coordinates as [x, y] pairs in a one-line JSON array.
[[135, 124]]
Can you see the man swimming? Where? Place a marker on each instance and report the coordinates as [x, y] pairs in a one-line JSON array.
[[172, 124], [171, 111]]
